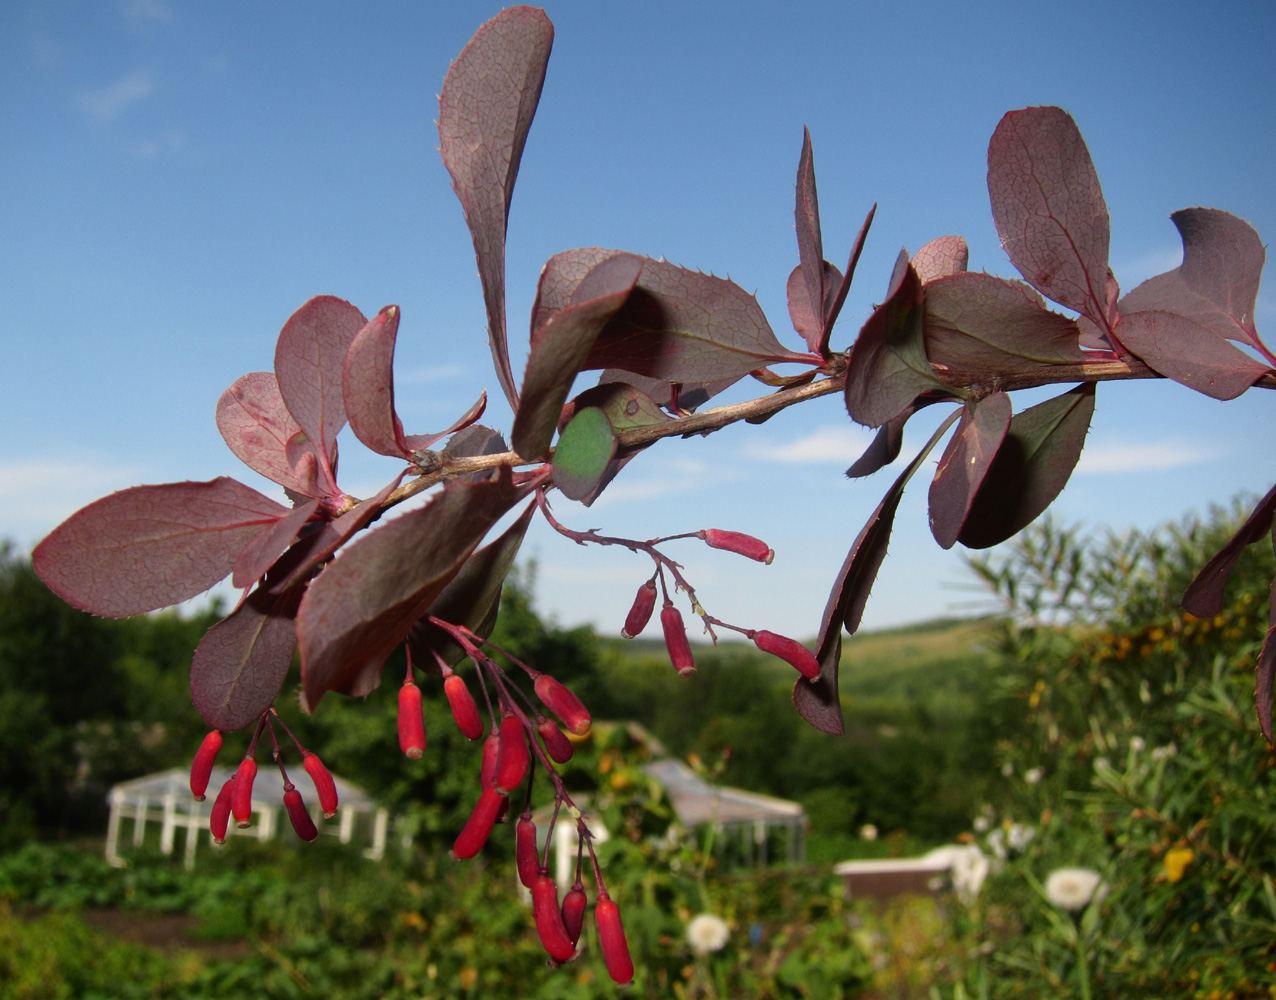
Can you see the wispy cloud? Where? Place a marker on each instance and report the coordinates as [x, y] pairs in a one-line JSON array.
[[830, 444], [37, 494], [146, 10], [1100, 459], [174, 143], [106, 103]]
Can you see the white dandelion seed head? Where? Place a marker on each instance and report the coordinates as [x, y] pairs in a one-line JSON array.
[[868, 832], [1073, 889], [707, 933], [1034, 775], [1137, 744]]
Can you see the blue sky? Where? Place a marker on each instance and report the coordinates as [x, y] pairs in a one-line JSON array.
[[176, 179]]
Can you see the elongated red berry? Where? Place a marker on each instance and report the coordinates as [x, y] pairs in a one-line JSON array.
[[241, 801], [220, 818], [574, 904], [558, 746], [464, 711], [202, 767], [479, 826], [325, 787], [491, 751], [299, 815], [549, 920], [560, 700], [411, 721], [790, 650], [676, 640], [739, 543], [640, 611], [525, 854], [611, 937], [512, 760]]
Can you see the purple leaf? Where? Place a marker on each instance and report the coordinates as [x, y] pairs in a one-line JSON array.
[[309, 359], [362, 606], [152, 546], [806, 214], [1189, 353], [886, 444], [1204, 596], [940, 258], [806, 322], [1217, 283], [260, 554], [1039, 452], [418, 443], [683, 326], [965, 463], [471, 599], [560, 346], [977, 323], [1264, 674], [839, 298], [242, 661], [257, 427], [887, 368], [677, 398], [367, 386], [485, 111], [1049, 209]]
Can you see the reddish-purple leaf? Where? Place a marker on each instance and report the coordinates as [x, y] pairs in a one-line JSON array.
[[839, 298], [1217, 283], [887, 368], [805, 321], [684, 326], [362, 606], [367, 386], [886, 444], [242, 661], [485, 110], [560, 346], [418, 443], [1204, 596], [977, 323], [260, 554], [257, 427], [1264, 675], [940, 258], [1039, 452], [1049, 209], [817, 701], [152, 546], [806, 214], [471, 599], [1189, 353], [310, 357], [965, 463], [560, 277]]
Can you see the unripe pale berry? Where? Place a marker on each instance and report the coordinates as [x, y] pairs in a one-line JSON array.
[[574, 904], [479, 826], [549, 920], [241, 800], [325, 787], [512, 760], [560, 700], [558, 746], [525, 854], [202, 767], [411, 721], [790, 650], [464, 711], [611, 937], [640, 611], [299, 815], [220, 818], [676, 640], [739, 543]]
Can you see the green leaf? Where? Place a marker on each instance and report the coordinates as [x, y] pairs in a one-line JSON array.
[[585, 447]]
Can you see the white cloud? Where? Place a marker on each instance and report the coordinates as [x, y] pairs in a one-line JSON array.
[[1105, 458], [175, 143], [106, 103], [842, 445], [36, 495]]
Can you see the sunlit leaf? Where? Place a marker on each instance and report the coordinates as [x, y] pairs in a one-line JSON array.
[[583, 452], [940, 258], [965, 463], [257, 427], [367, 386], [260, 554], [1189, 353]]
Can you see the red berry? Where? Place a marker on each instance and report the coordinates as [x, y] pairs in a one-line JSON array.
[[611, 937], [512, 760], [558, 746], [739, 543], [411, 721], [560, 700], [220, 818], [241, 801], [676, 640], [640, 612], [299, 815], [202, 767], [525, 854], [574, 904], [479, 826], [464, 711], [789, 650], [549, 920], [325, 787]]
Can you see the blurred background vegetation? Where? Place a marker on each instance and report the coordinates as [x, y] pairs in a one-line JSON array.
[[1085, 721]]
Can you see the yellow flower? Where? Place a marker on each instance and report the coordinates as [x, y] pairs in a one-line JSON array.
[[1176, 862]]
